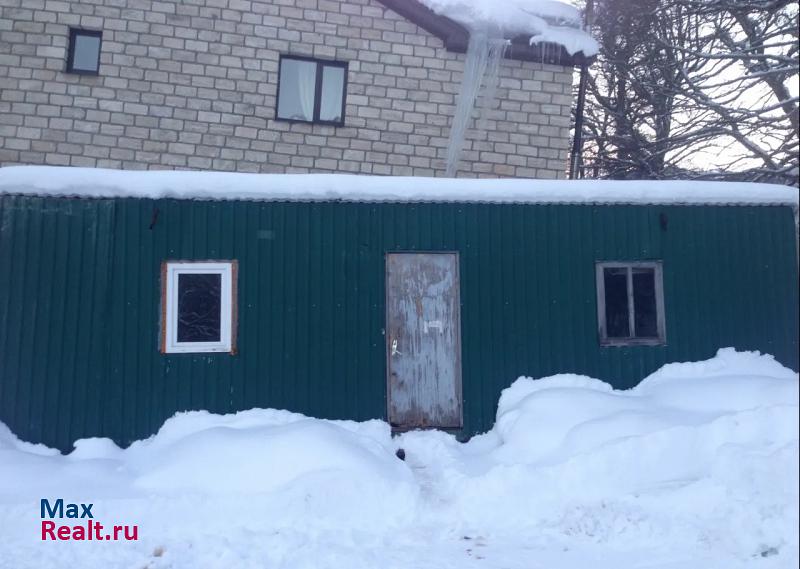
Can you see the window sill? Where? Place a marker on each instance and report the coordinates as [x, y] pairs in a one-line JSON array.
[[82, 72], [198, 350], [632, 342], [310, 123]]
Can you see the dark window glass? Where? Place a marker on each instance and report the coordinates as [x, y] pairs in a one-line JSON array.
[[84, 51], [644, 303], [616, 287], [199, 307], [311, 90]]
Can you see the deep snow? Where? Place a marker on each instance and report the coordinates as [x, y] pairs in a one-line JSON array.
[[101, 183], [696, 467]]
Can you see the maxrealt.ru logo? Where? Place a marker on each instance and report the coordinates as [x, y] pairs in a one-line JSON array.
[[90, 531]]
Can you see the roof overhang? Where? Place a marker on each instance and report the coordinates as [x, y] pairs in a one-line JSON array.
[[456, 37]]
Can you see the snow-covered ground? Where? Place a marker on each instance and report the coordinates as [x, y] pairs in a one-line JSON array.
[[697, 467]]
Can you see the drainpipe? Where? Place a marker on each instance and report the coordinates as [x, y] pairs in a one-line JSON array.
[[577, 141]]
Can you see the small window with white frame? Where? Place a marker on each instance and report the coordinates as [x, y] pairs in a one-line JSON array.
[[198, 306], [630, 303]]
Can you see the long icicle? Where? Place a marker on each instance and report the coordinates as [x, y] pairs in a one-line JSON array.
[[491, 78], [482, 53]]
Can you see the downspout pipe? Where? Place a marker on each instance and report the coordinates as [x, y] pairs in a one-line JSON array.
[[577, 141]]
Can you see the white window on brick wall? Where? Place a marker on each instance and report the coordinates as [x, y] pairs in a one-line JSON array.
[[630, 303], [198, 306], [311, 90], [83, 54]]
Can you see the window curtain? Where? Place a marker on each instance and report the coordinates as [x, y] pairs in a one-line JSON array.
[[297, 85], [332, 85], [306, 86]]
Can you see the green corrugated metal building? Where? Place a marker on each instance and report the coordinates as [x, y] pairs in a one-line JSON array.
[[364, 304]]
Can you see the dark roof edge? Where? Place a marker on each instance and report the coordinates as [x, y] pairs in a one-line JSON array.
[[456, 37]]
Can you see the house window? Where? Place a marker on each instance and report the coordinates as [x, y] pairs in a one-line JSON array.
[[630, 303], [198, 306], [311, 90], [83, 55]]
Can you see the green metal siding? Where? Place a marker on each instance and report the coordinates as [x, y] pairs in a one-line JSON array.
[[80, 301]]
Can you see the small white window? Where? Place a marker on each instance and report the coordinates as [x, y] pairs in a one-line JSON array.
[[630, 303], [198, 304]]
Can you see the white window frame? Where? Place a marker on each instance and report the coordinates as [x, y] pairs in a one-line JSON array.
[[661, 330], [171, 271]]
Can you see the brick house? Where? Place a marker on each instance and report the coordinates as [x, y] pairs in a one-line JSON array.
[[362, 86]]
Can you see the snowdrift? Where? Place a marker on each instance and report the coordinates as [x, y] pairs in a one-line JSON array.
[[697, 453], [299, 465], [696, 467]]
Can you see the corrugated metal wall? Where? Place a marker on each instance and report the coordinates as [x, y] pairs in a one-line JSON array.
[[79, 301]]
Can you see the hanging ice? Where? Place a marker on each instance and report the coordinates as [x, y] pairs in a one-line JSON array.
[[485, 53]]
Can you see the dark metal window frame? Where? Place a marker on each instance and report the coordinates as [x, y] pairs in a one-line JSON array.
[[73, 35], [321, 64], [632, 340]]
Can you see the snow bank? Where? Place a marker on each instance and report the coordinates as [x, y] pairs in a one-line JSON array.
[[100, 183], [572, 414], [292, 461], [10, 442], [271, 453], [695, 467], [703, 454], [544, 20]]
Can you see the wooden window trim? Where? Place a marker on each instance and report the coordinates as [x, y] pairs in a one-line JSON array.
[[321, 64], [229, 269], [73, 35], [658, 270]]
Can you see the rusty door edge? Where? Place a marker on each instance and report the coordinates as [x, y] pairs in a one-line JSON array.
[[386, 338]]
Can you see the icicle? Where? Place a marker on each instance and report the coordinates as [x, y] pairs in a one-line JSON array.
[[491, 78], [483, 54]]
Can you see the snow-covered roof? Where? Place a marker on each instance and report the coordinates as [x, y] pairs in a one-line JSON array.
[[195, 185], [543, 20]]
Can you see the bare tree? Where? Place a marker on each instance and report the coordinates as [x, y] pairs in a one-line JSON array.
[[694, 89]]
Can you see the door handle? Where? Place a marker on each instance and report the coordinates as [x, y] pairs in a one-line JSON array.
[[395, 351]]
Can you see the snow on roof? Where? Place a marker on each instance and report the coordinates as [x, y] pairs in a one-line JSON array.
[[102, 183], [544, 20]]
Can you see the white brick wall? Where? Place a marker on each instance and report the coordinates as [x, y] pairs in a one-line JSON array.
[[192, 84]]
